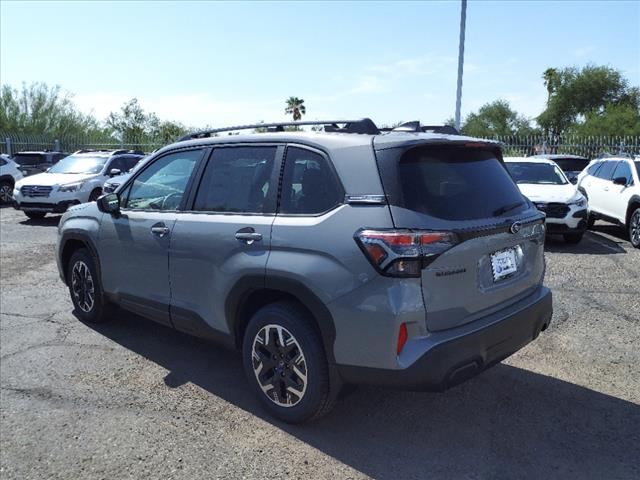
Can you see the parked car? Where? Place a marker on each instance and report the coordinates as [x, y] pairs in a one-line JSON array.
[[75, 179], [571, 165], [32, 163], [112, 183], [544, 183], [612, 186], [9, 175], [351, 255]]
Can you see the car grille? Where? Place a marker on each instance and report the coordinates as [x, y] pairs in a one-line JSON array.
[[553, 210], [35, 191]]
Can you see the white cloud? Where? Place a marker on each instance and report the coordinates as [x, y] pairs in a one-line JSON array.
[[582, 51]]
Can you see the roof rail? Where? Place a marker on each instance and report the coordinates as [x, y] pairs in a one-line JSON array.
[[364, 126], [415, 126]]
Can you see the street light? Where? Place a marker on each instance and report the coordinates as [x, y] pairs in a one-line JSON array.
[[463, 21]]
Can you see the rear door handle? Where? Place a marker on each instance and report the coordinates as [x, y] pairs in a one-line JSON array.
[[159, 229], [248, 235]]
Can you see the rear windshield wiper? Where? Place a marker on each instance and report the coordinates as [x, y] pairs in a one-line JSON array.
[[506, 208]]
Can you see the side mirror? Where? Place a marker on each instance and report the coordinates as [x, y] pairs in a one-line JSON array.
[[114, 172], [620, 181], [109, 203]]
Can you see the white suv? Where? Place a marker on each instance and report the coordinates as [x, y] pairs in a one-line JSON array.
[[612, 186], [75, 179], [9, 175]]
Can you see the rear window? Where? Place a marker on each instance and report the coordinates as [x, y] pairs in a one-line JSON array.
[[28, 159], [456, 183], [571, 164]]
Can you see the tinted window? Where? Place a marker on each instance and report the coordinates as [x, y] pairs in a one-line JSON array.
[[571, 164], [456, 183], [623, 170], [606, 170], [118, 163], [162, 185], [309, 185], [594, 168], [536, 173], [131, 162], [237, 179], [28, 158]]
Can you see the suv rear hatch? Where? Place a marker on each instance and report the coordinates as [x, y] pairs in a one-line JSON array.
[[490, 252]]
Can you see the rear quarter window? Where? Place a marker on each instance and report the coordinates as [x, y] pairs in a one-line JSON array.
[[452, 183]]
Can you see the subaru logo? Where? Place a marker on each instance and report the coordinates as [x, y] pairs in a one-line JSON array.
[[515, 227]]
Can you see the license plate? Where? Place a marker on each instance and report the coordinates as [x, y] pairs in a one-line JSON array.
[[504, 264]]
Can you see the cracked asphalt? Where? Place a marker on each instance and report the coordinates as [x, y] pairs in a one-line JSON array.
[[133, 399]]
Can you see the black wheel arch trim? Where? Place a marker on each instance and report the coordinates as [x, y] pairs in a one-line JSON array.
[[248, 285], [80, 236]]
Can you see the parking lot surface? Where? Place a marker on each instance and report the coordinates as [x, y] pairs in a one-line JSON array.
[[133, 399]]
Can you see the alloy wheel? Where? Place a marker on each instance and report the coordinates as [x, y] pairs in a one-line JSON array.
[[279, 365], [82, 286], [5, 193]]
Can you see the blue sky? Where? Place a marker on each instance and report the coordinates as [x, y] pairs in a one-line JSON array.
[[220, 63]]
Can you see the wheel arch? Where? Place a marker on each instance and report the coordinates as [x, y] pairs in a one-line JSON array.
[[634, 202], [251, 293], [8, 178], [72, 241]]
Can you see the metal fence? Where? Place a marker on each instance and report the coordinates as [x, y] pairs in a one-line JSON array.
[[588, 146]]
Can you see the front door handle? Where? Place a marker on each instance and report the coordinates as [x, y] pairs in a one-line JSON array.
[[159, 229], [248, 235]]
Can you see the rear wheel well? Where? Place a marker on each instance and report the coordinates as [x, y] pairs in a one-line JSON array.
[[258, 299], [70, 246], [630, 209]]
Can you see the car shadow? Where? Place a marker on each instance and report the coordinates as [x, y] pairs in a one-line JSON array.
[[506, 423], [592, 243], [47, 221], [613, 230]]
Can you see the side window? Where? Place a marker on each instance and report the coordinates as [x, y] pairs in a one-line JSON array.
[[131, 162], [162, 185], [606, 170], [623, 170], [237, 179], [118, 163], [594, 168], [309, 185]]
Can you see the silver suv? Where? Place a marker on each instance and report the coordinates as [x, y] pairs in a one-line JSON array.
[[405, 258]]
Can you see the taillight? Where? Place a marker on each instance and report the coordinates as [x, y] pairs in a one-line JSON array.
[[402, 338], [403, 253]]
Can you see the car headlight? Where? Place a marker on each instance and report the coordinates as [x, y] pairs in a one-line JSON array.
[[71, 187], [578, 201]]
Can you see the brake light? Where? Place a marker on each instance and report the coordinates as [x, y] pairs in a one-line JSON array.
[[403, 253], [402, 338]]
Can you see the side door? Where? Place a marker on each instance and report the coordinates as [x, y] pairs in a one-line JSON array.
[[616, 200], [134, 245], [600, 185], [225, 236]]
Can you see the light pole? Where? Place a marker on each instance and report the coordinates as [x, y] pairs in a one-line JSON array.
[[463, 21]]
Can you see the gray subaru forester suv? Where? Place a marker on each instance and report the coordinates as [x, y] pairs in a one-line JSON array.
[[405, 258]]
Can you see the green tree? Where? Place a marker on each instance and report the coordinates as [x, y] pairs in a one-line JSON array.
[[615, 119], [38, 110], [496, 119], [295, 106], [577, 94], [551, 81], [132, 124]]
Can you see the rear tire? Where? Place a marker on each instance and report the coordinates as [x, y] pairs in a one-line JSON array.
[[285, 363], [6, 191], [35, 215], [85, 288], [634, 228], [573, 238]]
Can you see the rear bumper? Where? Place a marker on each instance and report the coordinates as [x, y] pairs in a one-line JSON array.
[[59, 207], [447, 358]]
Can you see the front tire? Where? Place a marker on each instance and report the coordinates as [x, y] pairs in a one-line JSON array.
[[573, 238], [285, 363], [6, 191], [85, 288], [634, 228]]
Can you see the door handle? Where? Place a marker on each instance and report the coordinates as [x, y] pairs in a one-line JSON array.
[[606, 189], [248, 235], [159, 229]]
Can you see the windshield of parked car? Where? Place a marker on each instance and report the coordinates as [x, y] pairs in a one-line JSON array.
[[79, 164], [28, 158], [536, 173]]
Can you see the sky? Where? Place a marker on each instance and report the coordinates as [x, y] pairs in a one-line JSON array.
[[228, 63]]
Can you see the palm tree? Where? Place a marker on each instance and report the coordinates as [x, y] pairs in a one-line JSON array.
[[551, 79], [295, 106]]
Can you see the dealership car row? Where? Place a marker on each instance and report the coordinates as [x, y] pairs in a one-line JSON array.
[[571, 190]]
